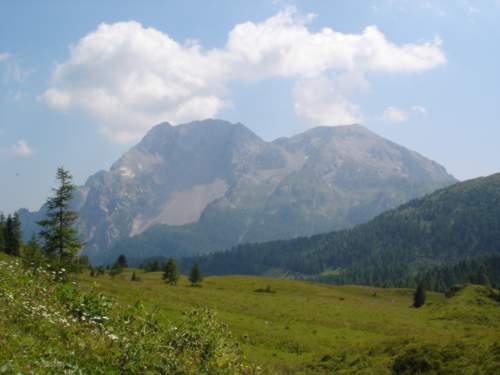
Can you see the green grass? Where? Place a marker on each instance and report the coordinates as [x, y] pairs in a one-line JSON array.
[[47, 326], [313, 328]]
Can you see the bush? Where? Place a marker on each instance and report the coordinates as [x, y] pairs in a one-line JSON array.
[[418, 361], [267, 289]]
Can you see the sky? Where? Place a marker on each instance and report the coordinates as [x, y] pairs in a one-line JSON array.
[[82, 81]]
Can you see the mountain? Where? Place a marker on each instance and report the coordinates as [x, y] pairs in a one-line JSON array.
[[451, 233], [209, 185]]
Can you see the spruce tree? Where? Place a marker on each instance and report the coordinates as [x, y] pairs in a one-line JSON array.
[[419, 296], [195, 275], [122, 261], [171, 274], [2, 232], [12, 235], [60, 238]]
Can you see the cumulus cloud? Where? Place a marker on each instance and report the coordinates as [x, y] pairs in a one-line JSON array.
[[320, 101], [283, 45], [130, 77], [398, 115], [393, 114], [21, 148]]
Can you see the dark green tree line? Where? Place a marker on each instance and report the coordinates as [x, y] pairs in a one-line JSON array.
[[396, 249]]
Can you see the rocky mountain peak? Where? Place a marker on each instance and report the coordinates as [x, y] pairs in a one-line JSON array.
[[212, 184]]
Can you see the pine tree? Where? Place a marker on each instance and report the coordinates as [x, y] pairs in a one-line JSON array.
[[122, 261], [419, 296], [59, 235], [195, 275], [12, 235], [2, 232], [171, 274]]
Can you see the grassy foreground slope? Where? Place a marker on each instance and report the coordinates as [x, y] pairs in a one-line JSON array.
[[47, 326], [306, 328]]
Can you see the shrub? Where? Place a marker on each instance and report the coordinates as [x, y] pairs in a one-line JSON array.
[[267, 289], [418, 361]]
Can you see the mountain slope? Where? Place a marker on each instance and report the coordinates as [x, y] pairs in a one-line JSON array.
[[209, 185], [336, 177], [447, 226]]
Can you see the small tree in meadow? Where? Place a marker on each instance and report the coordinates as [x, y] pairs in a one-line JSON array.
[[195, 275], [60, 238], [419, 296], [122, 261], [171, 274]]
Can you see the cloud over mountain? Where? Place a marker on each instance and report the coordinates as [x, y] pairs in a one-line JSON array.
[[129, 76]]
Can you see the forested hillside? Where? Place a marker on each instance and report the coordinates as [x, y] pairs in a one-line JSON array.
[[441, 229]]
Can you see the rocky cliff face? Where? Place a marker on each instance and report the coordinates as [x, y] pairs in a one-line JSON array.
[[210, 184]]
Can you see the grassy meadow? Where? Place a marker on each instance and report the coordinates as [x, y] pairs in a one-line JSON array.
[[306, 328]]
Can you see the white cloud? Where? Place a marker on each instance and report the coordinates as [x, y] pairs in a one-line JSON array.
[[394, 114], [283, 45], [319, 101], [4, 56], [398, 115], [21, 148], [130, 77]]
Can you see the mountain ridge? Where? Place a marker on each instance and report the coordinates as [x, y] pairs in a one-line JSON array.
[[209, 176]]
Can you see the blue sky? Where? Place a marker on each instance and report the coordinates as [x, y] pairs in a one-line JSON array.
[[81, 82]]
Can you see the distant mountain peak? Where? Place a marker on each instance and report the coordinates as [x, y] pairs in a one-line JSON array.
[[210, 184]]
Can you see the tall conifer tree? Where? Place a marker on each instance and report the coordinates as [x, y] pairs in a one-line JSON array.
[[171, 274], [2, 232], [59, 235], [12, 237], [195, 275], [419, 296]]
